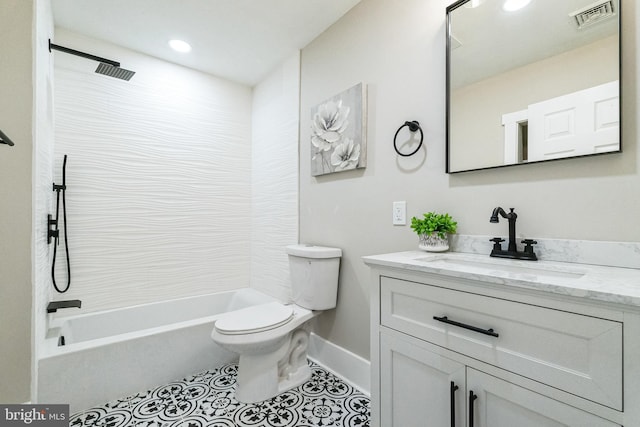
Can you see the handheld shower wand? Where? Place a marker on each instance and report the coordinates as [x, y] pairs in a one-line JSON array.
[[55, 232]]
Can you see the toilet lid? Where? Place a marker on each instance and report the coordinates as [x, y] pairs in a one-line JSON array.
[[253, 319]]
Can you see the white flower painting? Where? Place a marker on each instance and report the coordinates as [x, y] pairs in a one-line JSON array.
[[338, 133]]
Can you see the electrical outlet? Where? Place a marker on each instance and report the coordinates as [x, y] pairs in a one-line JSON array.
[[400, 213]]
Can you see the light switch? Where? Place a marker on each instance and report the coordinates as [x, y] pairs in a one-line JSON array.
[[400, 213]]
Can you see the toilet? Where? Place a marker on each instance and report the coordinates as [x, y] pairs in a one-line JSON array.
[[272, 338]]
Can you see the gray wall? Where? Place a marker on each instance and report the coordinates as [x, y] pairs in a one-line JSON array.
[[16, 112], [398, 50]]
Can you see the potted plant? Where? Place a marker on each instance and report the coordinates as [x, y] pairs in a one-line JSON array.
[[433, 231]]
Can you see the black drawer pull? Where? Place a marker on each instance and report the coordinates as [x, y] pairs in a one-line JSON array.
[[444, 319]]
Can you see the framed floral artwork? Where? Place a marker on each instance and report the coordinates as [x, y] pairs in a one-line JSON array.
[[338, 133]]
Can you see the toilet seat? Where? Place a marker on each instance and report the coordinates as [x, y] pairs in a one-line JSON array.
[[258, 318]]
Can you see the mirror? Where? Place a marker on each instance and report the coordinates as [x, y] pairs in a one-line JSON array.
[[537, 83]]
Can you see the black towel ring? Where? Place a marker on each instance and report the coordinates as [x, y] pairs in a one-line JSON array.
[[413, 126]]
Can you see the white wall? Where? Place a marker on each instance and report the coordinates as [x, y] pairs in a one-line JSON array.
[[16, 114], [158, 178], [398, 49], [43, 174], [274, 177]]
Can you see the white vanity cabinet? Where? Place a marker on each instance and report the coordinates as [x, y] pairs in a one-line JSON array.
[[452, 351]]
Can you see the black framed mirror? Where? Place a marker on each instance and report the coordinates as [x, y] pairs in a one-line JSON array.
[[531, 81]]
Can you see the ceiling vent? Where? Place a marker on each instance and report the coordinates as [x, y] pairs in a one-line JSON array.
[[597, 12]]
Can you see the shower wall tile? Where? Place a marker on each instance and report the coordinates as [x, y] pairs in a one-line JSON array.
[[159, 181], [274, 184], [43, 171]]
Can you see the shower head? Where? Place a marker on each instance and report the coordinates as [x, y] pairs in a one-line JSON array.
[[107, 67], [114, 71]]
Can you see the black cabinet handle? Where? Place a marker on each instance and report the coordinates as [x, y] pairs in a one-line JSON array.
[[454, 387], [472, 398], [444, 319]]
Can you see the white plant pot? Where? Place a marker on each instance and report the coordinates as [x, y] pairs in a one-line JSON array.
[[433, 243]]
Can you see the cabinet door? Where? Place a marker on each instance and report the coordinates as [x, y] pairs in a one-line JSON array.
[[502, 404], [416, 385]]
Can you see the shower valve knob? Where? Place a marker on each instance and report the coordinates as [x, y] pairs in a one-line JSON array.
[[52, 231]]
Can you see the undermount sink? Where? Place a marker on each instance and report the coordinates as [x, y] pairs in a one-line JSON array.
[[493, 266]]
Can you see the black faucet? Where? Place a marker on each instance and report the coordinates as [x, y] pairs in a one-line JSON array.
[[512, 249], [53, 306]]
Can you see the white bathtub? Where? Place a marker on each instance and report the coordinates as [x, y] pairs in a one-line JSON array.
[[117, 353]]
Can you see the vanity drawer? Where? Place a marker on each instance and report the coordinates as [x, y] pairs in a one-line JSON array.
[[572, 352]]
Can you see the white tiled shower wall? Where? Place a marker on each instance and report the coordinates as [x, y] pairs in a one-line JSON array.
[[274, 177], [159, 177], [43, 173]]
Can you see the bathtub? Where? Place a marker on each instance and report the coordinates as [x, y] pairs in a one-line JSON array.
[[90, 359]]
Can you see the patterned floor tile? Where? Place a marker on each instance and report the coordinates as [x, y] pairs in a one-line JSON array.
[[208, 400]]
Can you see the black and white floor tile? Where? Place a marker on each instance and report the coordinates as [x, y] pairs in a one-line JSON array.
[[208, 400]]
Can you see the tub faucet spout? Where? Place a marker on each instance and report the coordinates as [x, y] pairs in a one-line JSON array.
[[53, 306]]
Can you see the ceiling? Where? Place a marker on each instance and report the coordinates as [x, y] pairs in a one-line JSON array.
[[240, 40]]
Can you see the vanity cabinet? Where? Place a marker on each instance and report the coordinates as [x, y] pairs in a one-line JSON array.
[[450, 351]]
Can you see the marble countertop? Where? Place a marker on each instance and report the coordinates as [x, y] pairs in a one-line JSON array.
[[610, 284]]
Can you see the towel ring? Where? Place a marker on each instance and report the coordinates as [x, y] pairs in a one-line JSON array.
[[413, 127]]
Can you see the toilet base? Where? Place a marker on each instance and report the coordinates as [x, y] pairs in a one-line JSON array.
[[261, 377]]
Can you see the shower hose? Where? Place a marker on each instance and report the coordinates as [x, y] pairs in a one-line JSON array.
[[61, 189]]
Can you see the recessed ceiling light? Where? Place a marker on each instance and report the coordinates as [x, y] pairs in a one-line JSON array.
[[180, 46], [513, 5]]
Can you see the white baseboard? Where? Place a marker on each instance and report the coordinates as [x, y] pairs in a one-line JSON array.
[[350, 367]]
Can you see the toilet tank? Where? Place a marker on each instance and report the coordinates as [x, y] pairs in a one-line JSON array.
[[314, 275]]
